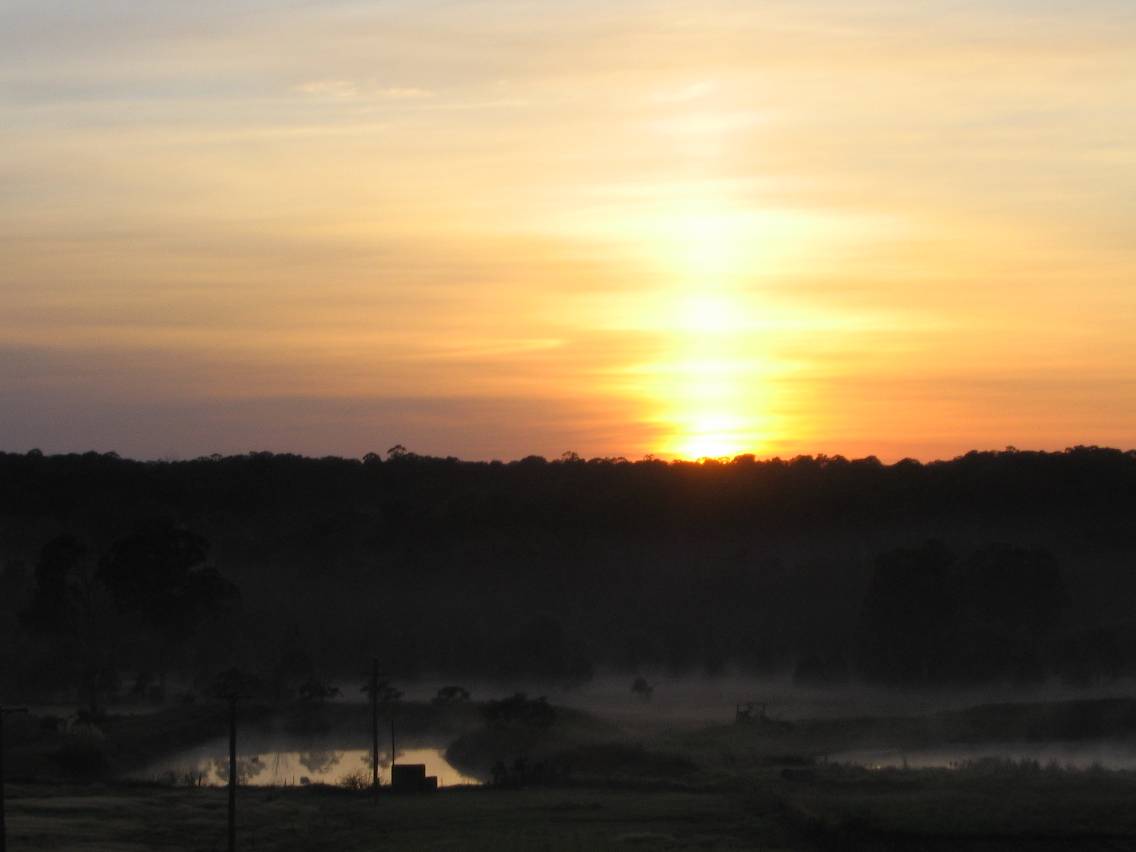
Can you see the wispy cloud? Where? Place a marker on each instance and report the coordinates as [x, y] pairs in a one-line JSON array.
[[338, 89], [598, 202], [353, 90], [401, 93], [683, 94]]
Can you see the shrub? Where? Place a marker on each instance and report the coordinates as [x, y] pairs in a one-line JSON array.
[[357, 779]]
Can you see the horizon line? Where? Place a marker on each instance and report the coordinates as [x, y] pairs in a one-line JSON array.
[[399, 453]]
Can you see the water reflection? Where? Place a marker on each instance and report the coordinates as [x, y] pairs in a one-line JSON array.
[[281, 766], [1107, 754]]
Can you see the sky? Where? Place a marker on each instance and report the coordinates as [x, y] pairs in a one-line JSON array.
[[492, 229]]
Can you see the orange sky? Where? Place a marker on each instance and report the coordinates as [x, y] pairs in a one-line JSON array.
[[499, 228]]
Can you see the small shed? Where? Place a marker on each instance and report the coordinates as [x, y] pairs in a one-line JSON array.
[[412, 778]]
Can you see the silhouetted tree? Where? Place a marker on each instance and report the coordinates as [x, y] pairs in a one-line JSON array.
[[907, 615], [385, 690], [311, 716], [53, 608], [820, 670], [1090, 657], [641, 688], [929, 618], [68, 607], [316, 691], [448, 696], [645, 564], [160, 575], [235, 682], [518, 710]]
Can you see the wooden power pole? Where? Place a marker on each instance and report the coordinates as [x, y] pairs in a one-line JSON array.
[[4, 712], [232, 686], [375, 729], [232, 772], [392, 750]]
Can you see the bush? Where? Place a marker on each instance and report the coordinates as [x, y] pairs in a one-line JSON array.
[[357, 779]]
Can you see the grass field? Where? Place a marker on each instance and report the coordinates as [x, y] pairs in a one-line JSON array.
[[993, 806], [119, 818]]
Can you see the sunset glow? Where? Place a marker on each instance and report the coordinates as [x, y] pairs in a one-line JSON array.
[[493, 229]]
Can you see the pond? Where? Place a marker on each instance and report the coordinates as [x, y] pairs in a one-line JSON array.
[[284, 763], [1107, 754]]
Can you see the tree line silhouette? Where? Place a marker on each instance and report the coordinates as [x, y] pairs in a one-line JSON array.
[[994, 566]]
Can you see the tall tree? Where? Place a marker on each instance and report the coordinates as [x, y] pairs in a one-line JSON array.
[[70, 608], [160, 575]]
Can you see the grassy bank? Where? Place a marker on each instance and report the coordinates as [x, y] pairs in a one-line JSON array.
[[149, 818], [987, 806]]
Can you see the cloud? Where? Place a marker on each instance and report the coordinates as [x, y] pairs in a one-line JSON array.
[[351, 90], [142, 426], [337, 89], [683, 94], [397, 201], [401, 93]]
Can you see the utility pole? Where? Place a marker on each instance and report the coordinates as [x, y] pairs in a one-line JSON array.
[[232, 772], [372, 686], [375, 729], [232, 686], [4, 712]]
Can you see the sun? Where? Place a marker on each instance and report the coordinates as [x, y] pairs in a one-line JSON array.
[[709, 386], [714, 391], [707, 313], [712, 436]]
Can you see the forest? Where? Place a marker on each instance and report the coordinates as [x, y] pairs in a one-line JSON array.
[[130, 578]]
